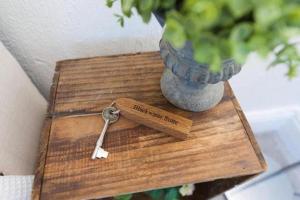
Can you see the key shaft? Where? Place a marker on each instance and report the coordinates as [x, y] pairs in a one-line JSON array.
[[109, 115], [101, 138]]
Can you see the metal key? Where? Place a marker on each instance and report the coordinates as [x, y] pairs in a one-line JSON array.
[[109, 115]]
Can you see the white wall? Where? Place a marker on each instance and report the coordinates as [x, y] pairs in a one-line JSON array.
[[41, 32], [260, 89]]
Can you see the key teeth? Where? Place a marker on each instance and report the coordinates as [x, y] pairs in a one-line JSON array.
[[101, 153]]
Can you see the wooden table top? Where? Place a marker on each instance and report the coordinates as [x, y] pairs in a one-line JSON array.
[[222, 145]]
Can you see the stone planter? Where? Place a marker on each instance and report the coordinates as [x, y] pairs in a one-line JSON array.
[[188, 84]]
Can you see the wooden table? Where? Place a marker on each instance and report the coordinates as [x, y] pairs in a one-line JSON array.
[[222, 153]]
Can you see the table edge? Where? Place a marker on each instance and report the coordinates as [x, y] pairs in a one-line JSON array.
[[248, 129]]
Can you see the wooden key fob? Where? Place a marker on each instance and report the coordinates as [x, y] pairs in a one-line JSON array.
[[155, 118]]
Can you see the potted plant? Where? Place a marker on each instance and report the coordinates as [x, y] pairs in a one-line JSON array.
[[206, 42]]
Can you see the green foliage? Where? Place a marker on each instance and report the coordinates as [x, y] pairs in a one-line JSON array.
[[159, 194], [223, 29], [175, 32], [156, 194], [124, 197], [172, 194], [110, 3], [120, 19], [288, 55], [164, 194]]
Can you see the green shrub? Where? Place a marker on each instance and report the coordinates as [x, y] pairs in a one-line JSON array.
[[222, 29]]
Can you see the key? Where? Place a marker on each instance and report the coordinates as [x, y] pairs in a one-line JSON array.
[[109, 115]]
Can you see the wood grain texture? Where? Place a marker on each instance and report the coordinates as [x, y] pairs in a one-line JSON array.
[[248, 129], [40, 165], [153, 117], [140, 158]]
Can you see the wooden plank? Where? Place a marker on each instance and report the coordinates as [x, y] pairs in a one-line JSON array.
[[140, 158], [40, 165], [98, 81], [44, 140], [247, 128]]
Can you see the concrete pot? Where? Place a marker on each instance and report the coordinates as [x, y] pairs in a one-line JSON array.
[[188, 84]]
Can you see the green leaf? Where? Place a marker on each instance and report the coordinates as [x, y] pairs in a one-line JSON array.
[[127, 6], [146, 17], [289, 32], [292, 71], [145, 5], [205, 48], [167, 4], [215, 65], [175, 33], [156, 4], [293, 15], [172, 194], [288, 53], [226, 18], [239, 7], [259, 43], [240, 51], [224, 48], [124, 197], [109, 3], [144, 9], [289, 56], [241, 32], [204, 52], [156, 194], [266, 15], [120, 19], [206, 13]]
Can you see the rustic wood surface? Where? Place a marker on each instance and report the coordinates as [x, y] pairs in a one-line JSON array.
[[39, 171], [156, 118], [140, 158]]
